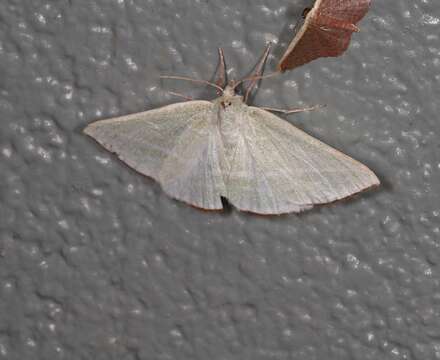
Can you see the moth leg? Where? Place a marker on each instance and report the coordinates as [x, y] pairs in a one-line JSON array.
[[293, 111], [257, 73], [180, 95], [221, 77]]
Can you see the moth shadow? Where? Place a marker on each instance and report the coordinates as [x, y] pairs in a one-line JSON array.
[[79, 129], [385, 184], [228, 208], [242, 88], [294, 13], [248, 89], [351, 200]]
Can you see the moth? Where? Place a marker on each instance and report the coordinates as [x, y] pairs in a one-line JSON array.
[[326, 31], [202, 151]]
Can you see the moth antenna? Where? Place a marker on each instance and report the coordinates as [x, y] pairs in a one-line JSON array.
[[193, 80]]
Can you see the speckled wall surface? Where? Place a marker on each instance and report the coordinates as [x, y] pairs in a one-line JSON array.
[[96, 262]]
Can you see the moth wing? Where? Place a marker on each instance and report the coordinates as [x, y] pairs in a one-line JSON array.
[[177, 145], [276, 168], [312, 42], [351, 11], [317, 37]]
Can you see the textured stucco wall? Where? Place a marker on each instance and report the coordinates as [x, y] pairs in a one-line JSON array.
[[97, 263]]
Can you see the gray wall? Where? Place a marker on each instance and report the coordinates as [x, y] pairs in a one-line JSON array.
[[96, 262]]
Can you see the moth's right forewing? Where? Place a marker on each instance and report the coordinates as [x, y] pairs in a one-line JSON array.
[[143, 140], [193, 171], [175, 145]]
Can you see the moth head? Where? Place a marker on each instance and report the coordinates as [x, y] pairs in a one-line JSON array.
[[229, 90], [306, 12], [230, 97]]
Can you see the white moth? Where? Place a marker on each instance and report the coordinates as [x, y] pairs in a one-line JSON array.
[[201, 151]]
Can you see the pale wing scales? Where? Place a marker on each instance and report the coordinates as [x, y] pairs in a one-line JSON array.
[[193, 171], [278, 168], [143, 140], [151, 142], [252, 183]]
